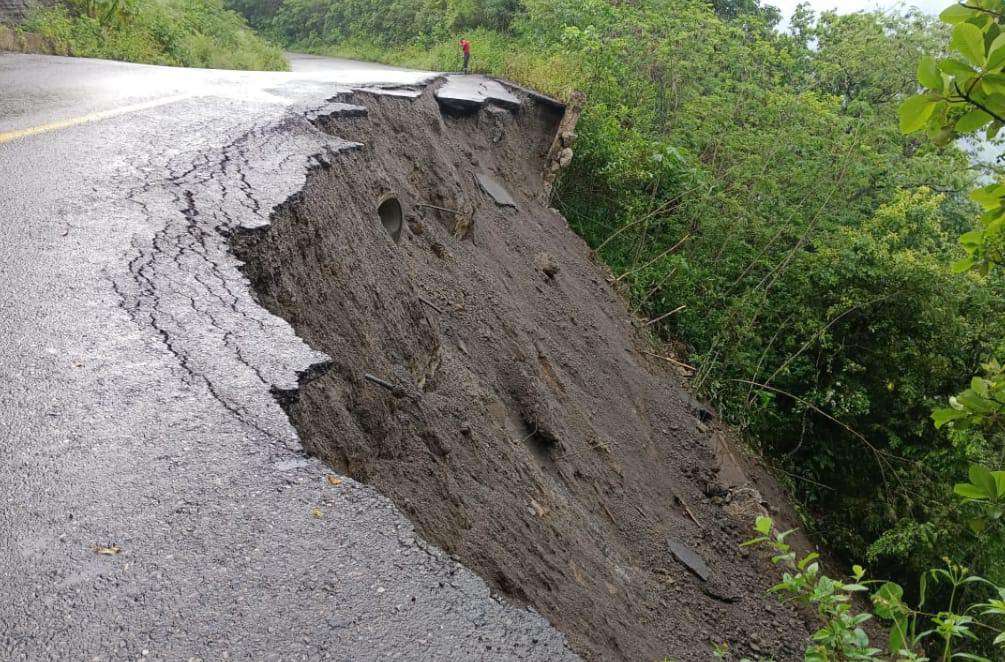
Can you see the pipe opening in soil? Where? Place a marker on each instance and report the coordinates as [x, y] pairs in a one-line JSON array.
[[538, 440], [390, 214]]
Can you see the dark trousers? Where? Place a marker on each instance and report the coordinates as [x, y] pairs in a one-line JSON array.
[[467, 59]]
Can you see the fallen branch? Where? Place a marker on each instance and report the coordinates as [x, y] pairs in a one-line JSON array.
[[663, 317], [644, 300], [449, 211], [430, 304], [805, 479], [380, 382], [881, 456], [673, 361], [654, 260], [687, 510]]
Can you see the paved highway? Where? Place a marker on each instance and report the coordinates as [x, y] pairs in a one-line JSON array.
[[155, 501]]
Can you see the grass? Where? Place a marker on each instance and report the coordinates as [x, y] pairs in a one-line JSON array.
[[184, 33], [494, 54]]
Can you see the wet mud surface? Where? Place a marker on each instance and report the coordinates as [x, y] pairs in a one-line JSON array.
[[487, 379]]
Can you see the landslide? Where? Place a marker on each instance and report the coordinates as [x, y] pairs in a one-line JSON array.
[[487, 378]]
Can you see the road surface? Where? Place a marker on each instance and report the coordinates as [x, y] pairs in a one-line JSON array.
[[156, 503]]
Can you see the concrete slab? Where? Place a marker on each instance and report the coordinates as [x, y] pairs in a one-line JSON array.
[[405, 92], [467, 93], [689, 558], [495, 190], [336, 110]]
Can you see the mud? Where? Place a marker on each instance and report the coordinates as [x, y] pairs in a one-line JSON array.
[[487, 378]]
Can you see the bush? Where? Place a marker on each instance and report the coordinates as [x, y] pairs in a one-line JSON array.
[[968, 620], [189, 33]]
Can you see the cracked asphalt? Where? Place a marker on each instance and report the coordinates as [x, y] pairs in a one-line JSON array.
[[156, 500]]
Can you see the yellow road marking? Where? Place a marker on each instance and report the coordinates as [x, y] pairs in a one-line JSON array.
[[93, 117]]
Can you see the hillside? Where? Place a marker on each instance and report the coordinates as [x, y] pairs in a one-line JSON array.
[[759, 182], [797, 212], [488, 379]]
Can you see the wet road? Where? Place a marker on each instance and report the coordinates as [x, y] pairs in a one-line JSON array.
[[155, 501]]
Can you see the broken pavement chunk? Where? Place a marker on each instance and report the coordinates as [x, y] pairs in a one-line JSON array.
[[689, 558], [469, 93], [495, 190], [334, 110], [403, 91]]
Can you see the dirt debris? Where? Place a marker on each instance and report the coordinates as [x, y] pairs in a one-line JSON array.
[[521, 423], [546, 264]]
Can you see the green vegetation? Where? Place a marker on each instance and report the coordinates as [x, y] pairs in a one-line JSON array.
[[820, 305], [188, 33], [973, 610]]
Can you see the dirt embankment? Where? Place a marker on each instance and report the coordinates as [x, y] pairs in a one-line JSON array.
[[27, 42], [488, 380]]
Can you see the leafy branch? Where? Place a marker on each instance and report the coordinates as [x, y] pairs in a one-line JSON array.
[[912, 631]]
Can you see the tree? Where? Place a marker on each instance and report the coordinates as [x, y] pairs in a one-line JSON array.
[[730, 9], [964, 94]]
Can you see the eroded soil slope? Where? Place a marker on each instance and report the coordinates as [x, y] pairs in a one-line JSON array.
[[487, 379]]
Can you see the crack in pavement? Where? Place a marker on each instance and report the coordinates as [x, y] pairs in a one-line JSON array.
[[142, 410], [185, 246]]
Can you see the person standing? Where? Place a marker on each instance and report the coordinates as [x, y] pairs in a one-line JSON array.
[[466, 49]]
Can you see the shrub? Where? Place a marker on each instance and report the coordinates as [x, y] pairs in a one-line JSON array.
[[190, 33]]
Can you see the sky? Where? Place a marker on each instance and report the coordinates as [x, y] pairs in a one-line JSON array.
[[931, 6]]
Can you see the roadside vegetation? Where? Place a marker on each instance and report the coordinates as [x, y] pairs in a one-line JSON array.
[[187, 33], [965, 618], [815, 239]]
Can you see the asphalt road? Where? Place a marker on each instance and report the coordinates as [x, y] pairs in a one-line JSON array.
[[156, 503]]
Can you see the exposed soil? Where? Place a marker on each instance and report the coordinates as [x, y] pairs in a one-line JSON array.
[[487, 378]]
